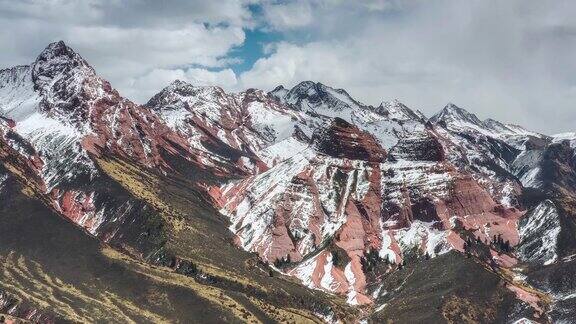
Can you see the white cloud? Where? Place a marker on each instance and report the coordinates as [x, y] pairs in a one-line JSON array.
[[510, 60], [288, 15], [290, 64], [127, 52], [128, 40]]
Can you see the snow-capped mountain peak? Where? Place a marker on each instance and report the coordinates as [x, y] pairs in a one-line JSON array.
[[58, 61], [65, 81], [458, 119], [452, 114], [59, 54], [507, 129], [279, 92], [53, 82], [317, 96], [183, 93], [395, 109], [183, 86]]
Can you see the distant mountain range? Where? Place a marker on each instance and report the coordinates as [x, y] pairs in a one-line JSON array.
[[295, 205]]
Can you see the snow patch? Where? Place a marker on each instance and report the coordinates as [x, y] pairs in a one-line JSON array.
[[58, 144], [539, 230]]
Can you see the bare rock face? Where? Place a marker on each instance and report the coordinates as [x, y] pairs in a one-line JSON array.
[[559, 166], [19, 155], [72, 92], [415, 201], [237, 127], [425, 147], [484, 216], [7, 122], [469, 198], [342, 140]]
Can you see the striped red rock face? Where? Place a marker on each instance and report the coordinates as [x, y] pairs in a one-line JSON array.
[[341, 139], [343, 189], [360, 206]]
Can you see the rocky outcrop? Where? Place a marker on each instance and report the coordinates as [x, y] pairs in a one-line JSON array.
[[340, 139], [21, 310], [559, 166], [539, 230], [317, 96], [425, 147]]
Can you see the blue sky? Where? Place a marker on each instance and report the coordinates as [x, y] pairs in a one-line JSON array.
[[252, 48], [509, 60]]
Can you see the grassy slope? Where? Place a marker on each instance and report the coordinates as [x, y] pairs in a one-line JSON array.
[[54, 265], [447, 289], [51, 264], [199, 233]]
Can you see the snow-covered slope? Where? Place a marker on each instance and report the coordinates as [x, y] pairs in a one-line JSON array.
[[568, 136], [60, 117], [539, 230], [387, 122], [17, 97], [242, 126], [398, 111], [341, 196], [460, 120]]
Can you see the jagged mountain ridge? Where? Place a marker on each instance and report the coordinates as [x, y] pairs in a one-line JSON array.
[[122, 176], [497, 142], [321, 186]]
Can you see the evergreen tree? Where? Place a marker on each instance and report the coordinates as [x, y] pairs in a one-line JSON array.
[[335, 259]]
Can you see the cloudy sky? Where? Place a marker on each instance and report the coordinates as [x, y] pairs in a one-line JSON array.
[[512, 60]]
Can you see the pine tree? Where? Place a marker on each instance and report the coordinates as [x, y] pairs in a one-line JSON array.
[[335, 259]]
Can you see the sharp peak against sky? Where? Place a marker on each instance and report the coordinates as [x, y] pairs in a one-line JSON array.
[[512, 61], [59, 58]]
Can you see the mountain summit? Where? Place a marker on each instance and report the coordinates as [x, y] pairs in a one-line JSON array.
[[451, 114]]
